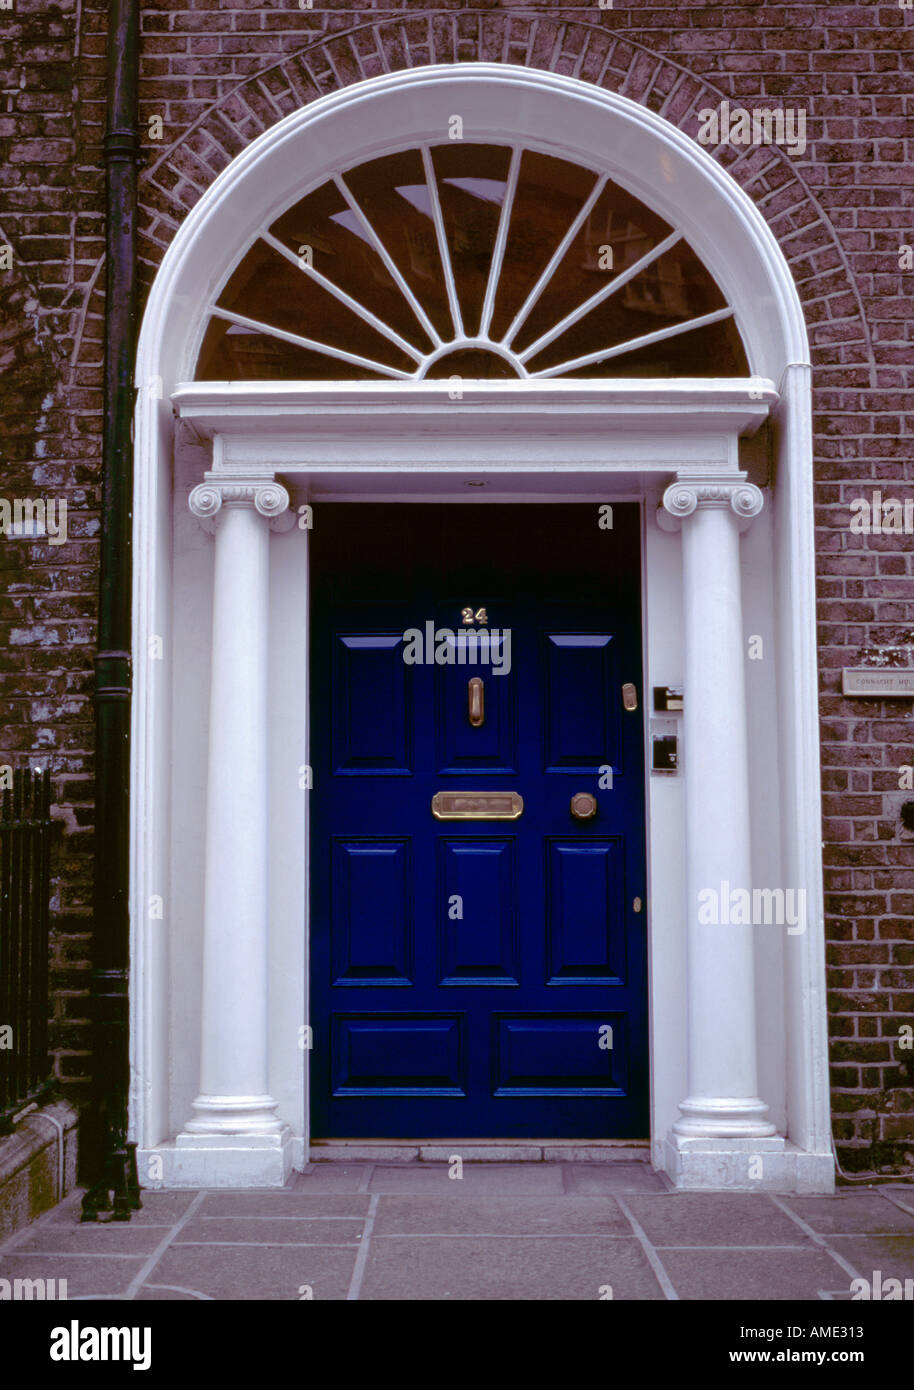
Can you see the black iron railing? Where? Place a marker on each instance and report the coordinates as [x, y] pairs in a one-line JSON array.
[[25, 838]]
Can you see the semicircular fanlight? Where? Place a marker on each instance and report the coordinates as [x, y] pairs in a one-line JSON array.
[[477, 260]]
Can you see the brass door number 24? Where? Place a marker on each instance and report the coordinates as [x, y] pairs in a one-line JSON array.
[[468, 616]]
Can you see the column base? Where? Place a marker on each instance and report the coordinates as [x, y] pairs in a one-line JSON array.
[[703, 1117], [764, 1164], [234, 1115], [217, 1160]]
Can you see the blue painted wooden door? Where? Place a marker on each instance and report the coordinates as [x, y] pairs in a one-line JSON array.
[[477, 978]]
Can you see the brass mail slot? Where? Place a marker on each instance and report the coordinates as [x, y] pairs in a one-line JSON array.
[[477, 805]]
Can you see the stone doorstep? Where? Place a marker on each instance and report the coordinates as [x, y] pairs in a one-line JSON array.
[[480, 1151], [30, 1169]]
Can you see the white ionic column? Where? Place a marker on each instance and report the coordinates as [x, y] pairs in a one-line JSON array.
[[235, 1123], [722, 1101]]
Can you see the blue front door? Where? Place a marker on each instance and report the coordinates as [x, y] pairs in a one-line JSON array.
[[477, 977]]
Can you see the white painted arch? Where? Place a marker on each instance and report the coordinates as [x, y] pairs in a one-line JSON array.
[[670, 172]]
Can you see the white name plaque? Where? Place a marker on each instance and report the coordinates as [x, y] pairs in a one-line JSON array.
[[873, 681]]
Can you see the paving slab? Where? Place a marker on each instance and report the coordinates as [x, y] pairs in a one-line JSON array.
[[269, 1230], [900, 1192], [731, 1219], [170, 1293], [86, 1275], [525, 1215], [592, 1178], [893, 1255], [506, 1178], [734, 1274], [71, 1238], [288, 1203], [273, 1272], [850, 1212], [158, 1209], [496, 1270], [331, 1177]]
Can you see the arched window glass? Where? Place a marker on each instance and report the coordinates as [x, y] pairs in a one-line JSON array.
[[475, 260]]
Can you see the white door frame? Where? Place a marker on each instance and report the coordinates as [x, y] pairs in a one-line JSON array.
[[559, 440]]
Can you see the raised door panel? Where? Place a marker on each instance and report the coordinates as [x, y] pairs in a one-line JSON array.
[[585, 917], [371, 912], [398, 1055], [477, 894], [372, 705], [560, 1054], [582, 702]]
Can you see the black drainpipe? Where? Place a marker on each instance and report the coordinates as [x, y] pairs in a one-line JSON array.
[[111, 1162]]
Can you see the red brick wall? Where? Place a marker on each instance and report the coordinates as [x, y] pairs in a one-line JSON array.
[[218, 75], [51, 215]]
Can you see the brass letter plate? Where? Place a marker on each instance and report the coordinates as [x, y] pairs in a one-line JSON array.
[[477, 805]]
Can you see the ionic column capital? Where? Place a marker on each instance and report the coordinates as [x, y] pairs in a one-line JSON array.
[[690, 492], [268, 498]]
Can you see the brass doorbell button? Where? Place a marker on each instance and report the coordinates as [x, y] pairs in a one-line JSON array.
[[583, 806]]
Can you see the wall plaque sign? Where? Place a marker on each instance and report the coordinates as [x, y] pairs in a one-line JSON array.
[[872, 681]]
